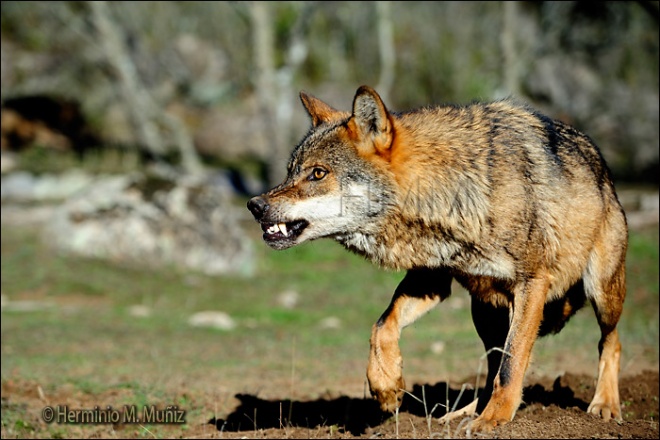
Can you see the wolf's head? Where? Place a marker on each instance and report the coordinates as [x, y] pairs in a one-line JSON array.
[[338, 181]]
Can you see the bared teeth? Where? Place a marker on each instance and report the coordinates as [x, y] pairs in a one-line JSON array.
[[280, 227]]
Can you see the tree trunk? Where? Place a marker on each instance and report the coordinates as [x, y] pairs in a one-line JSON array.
[[274, 87], [511, 59], [142, 110], [387, 50], [263, 36]]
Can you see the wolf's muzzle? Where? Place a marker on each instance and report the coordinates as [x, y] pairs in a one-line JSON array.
[[279, 233]]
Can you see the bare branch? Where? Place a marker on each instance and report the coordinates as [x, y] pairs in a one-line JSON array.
[[144, 113]]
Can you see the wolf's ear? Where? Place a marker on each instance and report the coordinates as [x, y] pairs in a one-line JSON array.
[[318, 110], [371, 120]]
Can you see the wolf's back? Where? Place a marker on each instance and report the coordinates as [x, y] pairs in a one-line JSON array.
[[493, 181]]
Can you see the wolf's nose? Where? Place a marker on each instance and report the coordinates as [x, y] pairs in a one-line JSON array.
[[257, 206]]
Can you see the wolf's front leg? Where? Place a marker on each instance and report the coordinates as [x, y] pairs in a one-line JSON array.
[[384, 370], [419, 292]]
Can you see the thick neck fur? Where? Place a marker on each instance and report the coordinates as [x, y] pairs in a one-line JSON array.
[[440, 210], [489, 189], [403, 243]]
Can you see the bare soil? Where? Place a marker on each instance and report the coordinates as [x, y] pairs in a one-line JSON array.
[[552, 408]]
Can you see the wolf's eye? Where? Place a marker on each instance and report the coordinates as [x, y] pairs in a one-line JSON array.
[[317, 174]]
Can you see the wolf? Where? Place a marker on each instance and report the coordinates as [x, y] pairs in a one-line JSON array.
[[518, 208]]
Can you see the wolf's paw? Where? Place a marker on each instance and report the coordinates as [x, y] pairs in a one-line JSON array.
[[606, 410], [389, 397], [467, 411], [385, 370], [484, 425]]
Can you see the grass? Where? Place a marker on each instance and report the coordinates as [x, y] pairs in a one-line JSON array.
[[85, 342]]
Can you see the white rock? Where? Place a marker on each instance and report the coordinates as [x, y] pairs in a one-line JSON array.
[[139, 311], [153, 222], [288, 299], [213, 319], [331, 323], [437, 347]]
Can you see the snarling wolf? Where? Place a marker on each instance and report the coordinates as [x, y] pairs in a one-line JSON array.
[[519, 208]]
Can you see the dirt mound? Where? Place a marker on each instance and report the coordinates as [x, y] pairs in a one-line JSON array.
[[552, 408]]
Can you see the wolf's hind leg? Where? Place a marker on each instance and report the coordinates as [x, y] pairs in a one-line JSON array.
[[606, 399], [492, 325], [418, 292], [607, 294], [526, 316]]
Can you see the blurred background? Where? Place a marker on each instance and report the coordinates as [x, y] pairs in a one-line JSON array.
[[134, 132], [222, 78]]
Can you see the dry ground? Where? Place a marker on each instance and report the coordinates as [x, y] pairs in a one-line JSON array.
[[553, 408]]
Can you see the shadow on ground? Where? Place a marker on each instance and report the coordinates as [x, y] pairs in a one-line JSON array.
[[357, 415]]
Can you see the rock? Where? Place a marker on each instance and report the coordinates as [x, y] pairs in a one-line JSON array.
[[59, 187], [330, 323], [139, 311], [17, 186], [27, 215], [154, 222], [288, 299], [437, 347], [22, 186], [213, 319], [25, 305]]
